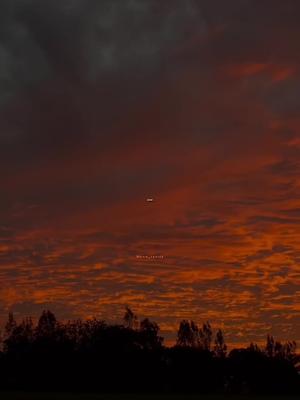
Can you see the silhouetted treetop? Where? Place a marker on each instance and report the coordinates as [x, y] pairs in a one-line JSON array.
[[94, 355]]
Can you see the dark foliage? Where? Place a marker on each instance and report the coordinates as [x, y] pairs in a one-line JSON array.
[[94, 356]]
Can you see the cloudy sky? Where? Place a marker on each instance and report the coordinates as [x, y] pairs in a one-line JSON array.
[[192, 102]]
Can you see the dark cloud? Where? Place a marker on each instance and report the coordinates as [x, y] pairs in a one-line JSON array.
[[81, 40], [79, 73]]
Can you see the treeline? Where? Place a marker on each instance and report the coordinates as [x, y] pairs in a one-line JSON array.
[[92, 355]]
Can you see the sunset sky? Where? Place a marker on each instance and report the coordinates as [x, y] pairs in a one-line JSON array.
[[194, 103]]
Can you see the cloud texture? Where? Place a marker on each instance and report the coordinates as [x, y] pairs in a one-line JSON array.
[[194, 103]]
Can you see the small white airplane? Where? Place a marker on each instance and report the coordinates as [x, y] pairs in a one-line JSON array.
[[150, 200]]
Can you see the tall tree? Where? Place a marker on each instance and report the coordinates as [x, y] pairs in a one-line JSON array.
[[130, 319], [149, 334], [220, 348], [10, 325], [205, 334], [19, 337], [185, 335], [270, 346], [47, 325]]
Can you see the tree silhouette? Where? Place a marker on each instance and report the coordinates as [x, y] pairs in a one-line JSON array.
[[195, 338], [149, 335], [9, 326], [92, 355], [254, 348], [18, 337], [47, 324], [270, 346], [185, 334], [220, 348], [285, 351], [130, 319], [206, 336]]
